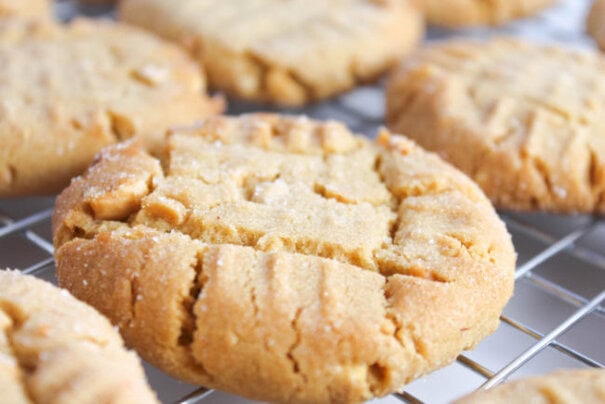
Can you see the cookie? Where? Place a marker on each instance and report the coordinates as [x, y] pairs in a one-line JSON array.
[[525, 121], [288, 53], [569, 386], [464, 13], [26, 8], [595, 24], [285, 259], [67, 91], [56, 349]]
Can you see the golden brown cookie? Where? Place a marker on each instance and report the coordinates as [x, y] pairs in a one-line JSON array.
[[25, 8], [595, 24], [568, 386], [463, 13], [525, 121], [286, 259], [285, 52], [67, 91], [56, 349]]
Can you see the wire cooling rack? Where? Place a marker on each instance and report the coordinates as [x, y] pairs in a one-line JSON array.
[[555, 320]]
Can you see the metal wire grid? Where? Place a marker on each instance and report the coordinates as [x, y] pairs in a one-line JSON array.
[[556, 318]]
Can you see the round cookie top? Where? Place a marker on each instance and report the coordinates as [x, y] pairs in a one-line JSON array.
[[285, 52], [525, 121], [54, 348], [286, 259], [463, 13], [67, 91], [26, 8], [595, 24], [569, 386]]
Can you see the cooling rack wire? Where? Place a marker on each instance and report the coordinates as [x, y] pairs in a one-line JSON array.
[[556, 318]]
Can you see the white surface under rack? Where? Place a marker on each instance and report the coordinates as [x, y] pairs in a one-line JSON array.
[[556, 318]]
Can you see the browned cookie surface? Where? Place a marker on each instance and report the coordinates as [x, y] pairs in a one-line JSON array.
[[286, 259], [595, 24], [462, 13]]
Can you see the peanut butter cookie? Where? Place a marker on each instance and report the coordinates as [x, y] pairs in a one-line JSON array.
[[67, 91], [285, 259], [56, 349], [525, 121], [285, 52], [569, 386]]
